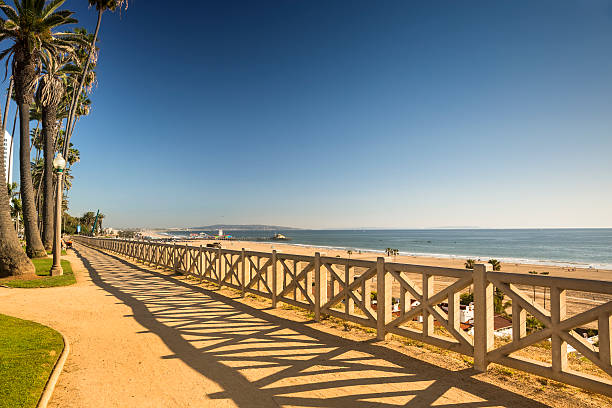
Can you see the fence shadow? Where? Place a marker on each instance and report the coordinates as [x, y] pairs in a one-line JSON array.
[[261, 360]]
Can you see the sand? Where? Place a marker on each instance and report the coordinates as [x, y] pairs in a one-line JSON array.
[[570, 272], [143, 338], [576, 301]]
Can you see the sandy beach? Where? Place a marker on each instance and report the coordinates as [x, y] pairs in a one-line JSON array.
[[287, 247]]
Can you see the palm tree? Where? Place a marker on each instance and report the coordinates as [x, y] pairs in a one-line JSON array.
[[9, 94], [51, 91], [13, 192], [99, 227], [101, 7], [29, 25], [87, 221], [469, 264], [13, 261], [496, 264]]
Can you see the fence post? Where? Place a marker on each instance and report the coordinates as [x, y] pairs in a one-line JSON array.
[[383, 298], [428, 291], [174, 257], [320, 287], [274, 280], [242, 274], [349, 303], [604, 328], [219, 267], [483, 316], [200, 264], [558, 312]]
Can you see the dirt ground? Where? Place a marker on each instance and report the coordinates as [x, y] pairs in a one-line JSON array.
[[143, 338]]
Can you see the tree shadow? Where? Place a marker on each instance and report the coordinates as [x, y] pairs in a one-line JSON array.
[[261, 360]]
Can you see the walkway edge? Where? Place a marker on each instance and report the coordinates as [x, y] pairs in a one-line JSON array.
[[57, 370]]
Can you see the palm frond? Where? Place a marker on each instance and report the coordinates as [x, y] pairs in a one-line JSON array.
[[9, 11], [51, 7]]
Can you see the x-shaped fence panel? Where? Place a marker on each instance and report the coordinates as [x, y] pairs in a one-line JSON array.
[[557, 327], [296, 280], [231, 264], [259, 273], [348, 296], [427, 305]]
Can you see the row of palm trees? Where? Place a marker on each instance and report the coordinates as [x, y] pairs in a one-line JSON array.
[[51, 74]]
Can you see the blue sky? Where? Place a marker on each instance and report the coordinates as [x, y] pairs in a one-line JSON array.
[[341, 114]]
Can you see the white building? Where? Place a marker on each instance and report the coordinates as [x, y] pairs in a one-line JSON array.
[[7, 150]]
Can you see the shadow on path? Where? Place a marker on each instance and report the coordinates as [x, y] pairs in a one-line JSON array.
[[262, 361]]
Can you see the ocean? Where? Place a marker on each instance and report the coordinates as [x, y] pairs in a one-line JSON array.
[[565, 247]]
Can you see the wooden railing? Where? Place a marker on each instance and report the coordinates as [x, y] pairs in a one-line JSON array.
[[343, 288]]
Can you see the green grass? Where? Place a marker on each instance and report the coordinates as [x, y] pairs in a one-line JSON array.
[[28, 352], [51, 252], [43, 267]]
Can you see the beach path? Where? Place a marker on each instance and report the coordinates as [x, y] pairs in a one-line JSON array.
[[142, 338]]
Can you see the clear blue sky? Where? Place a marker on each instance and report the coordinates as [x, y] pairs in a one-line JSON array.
[[336, 114]]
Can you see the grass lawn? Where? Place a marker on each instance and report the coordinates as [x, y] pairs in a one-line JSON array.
[[51, 252], [43, 266], [28, 352]]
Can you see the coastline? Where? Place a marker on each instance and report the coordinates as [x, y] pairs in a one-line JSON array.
[[559, 269]]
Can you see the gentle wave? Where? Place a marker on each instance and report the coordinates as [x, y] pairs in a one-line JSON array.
[[569, 248], [523, 261]]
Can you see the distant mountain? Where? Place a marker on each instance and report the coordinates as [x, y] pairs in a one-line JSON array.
[[230, 227]]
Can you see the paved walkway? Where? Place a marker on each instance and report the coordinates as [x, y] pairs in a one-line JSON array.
[[142, 339]]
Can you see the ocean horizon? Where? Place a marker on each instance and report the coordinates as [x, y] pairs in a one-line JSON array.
[[577, 247]]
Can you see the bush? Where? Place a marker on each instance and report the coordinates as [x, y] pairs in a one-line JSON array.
[[466, 298]]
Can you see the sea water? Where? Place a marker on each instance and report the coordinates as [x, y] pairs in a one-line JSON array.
[[567, 247]]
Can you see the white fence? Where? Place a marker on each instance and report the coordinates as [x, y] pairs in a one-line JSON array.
[[342, 288]]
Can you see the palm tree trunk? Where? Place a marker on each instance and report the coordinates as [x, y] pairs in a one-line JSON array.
[[13, 261], [35, 133], [10, 166], [34, 245], [49, 119], [6, 106], [75, 99]]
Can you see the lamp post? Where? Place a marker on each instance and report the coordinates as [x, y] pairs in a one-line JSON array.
[[59, 164]]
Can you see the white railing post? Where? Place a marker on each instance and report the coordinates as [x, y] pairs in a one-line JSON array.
[[519, 322], [558, 311], [274, 280], [483, 316], [349, 303], [174, 257], [320, 287], [428, 291], [604, 328], [242, 273], [383, 298], [219, 280]]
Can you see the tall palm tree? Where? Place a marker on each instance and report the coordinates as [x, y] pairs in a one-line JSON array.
[[13, 192], [30, 26], [13, 261], [9, 94], [101, 7], [51, 90]]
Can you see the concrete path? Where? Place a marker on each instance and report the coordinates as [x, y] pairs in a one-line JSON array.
[[140, 338]]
